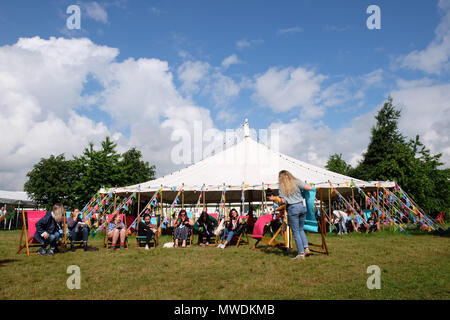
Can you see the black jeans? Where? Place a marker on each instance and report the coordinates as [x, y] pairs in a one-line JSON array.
[[146, 232], [202, 234], [80, 234]]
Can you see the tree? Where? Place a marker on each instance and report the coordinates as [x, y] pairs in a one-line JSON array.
[[336, 164], [134, 170], [96, 169], [385, 136], [50, 181]]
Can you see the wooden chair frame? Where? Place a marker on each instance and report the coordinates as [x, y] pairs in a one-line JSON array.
[[26, 244]]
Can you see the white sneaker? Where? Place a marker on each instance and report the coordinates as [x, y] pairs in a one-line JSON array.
[[219, 245], [146, 247], [222, 246]]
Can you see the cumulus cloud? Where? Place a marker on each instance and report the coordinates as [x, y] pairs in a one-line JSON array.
[[40, 114], [434, 59], [426, 111], [284, 89], [191, 73]]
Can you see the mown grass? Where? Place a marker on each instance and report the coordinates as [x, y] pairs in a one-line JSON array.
[[413, 267]]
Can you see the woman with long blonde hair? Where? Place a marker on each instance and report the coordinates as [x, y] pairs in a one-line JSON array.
[[290, 190], [48, 229]]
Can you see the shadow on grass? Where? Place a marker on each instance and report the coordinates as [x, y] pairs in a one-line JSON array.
[[5, 261]]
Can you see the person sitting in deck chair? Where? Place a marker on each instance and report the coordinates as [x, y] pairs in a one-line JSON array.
[[182, 228], [77, 229], [147, 230], [116, 229], [231, 227], [48, 229], [373, 222], [206, 226]]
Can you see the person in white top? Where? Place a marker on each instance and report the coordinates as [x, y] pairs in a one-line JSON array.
[[340, 218]]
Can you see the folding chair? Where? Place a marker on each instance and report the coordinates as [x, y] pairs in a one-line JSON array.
[[242, 237], [142, 240], [212, 217], [190, 238], [67, 236], [107, 239], [311, 224], [29, 218]]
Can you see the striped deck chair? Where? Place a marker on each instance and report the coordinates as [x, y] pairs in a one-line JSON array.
[[67, 237], [108, 240], [141, 240], [260, 229], [29, 218]]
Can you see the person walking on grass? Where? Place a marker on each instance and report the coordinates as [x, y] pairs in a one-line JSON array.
[[290, 190], [48, 230], [116, 230]]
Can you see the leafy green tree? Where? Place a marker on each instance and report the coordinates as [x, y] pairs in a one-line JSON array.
[[134, 170], [336, 164], [50, 181], [96, 169], [385, 136]]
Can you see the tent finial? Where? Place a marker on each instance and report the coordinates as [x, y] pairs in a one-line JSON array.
[[246, 129]]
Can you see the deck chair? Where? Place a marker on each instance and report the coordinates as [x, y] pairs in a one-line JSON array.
[[242, 238], [311, 224], [67, 237], [190, 238], [213, 218], [29, 218], [141, 240], [108, 240]]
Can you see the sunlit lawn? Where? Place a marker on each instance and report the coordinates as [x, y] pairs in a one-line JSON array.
[[413, 267]]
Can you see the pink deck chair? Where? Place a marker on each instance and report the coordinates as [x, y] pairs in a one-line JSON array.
[[29, 229], [258, 232]]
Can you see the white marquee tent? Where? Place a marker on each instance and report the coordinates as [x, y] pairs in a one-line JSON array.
[[247, 165]]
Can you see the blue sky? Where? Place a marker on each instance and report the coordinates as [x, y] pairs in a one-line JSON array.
[[311, 67]]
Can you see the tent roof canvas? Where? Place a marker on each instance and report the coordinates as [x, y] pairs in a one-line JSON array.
[[246, 165]]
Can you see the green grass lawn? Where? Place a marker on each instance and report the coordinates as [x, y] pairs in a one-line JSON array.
[[413, 267]]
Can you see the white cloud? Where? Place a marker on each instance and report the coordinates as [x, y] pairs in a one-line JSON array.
[[244, 43], [289, 30], [434, 59], [230, 60], [284, 89], [38, 113], [96, 12], [191, 73], [426, 111]]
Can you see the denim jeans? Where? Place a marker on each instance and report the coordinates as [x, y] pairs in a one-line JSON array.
[[297, 217], [228, 234], [52, 239], [83, 233], [342, 226]]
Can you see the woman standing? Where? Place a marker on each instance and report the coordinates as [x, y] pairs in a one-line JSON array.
[[290, 189], [182, 227]]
